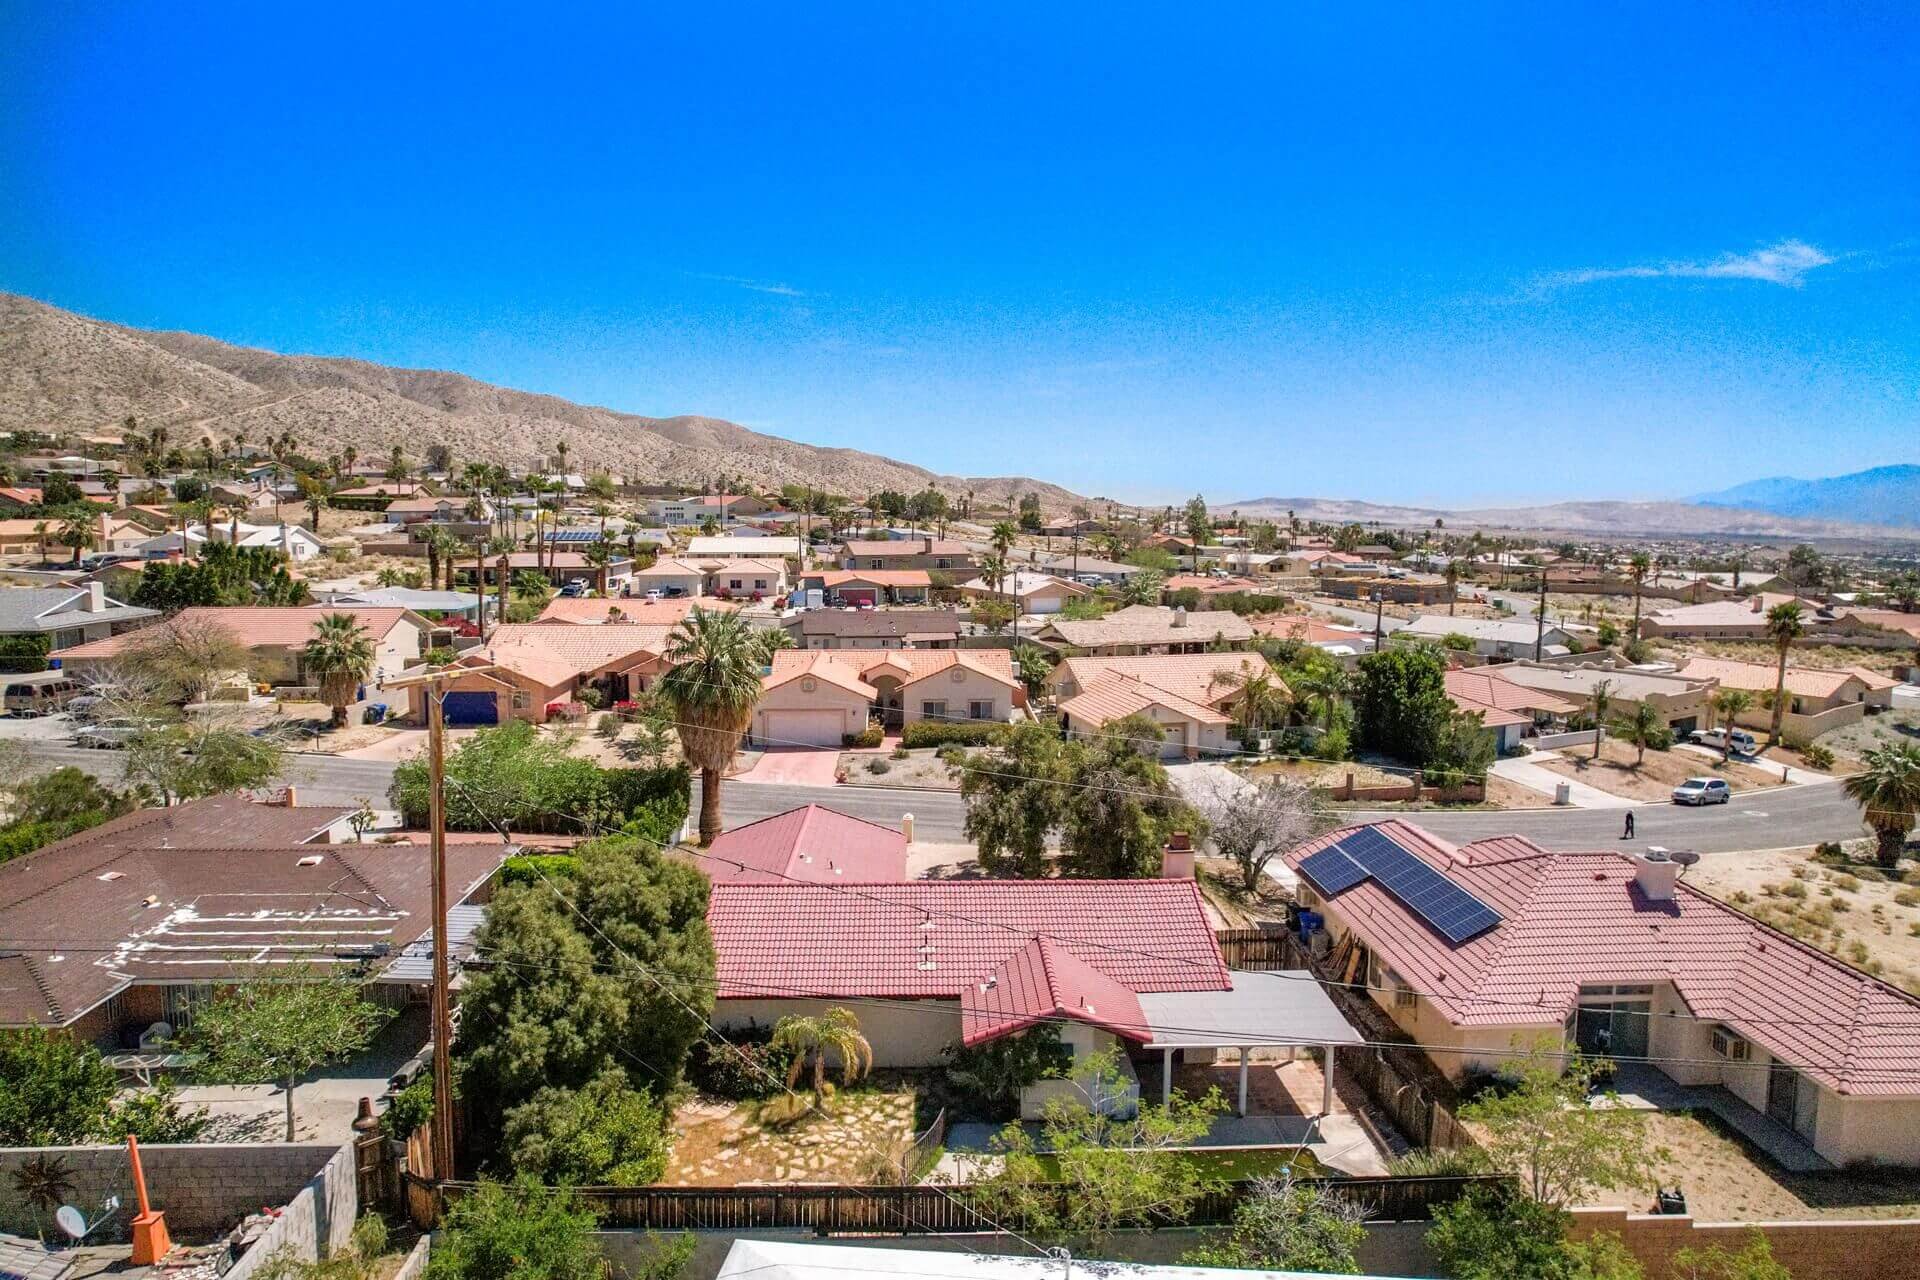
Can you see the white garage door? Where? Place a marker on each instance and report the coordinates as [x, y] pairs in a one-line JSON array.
[[812, 728]]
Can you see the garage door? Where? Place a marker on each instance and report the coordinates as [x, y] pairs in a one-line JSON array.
[[471, 708], [809, 728]]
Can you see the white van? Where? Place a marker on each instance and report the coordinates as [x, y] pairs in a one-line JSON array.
[[39, 694]]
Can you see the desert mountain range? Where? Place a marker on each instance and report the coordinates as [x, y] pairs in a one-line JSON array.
[[60, 370]]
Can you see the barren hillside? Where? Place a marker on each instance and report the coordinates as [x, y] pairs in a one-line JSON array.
[[61, 370]]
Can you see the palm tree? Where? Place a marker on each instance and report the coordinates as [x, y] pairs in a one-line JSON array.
[[1263, 699], [1888, 789], [836, 1033], [1637, 569], [441, 547], [1324, 687], [40, 532], [1644, 728], [339, 657], [1602, 703], [1002, 537], [350, 455], [712, 688], [1453, 585], [77, 531], [1784, 626], [1731, 704]]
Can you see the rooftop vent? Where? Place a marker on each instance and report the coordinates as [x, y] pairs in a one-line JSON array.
[[311, 860]]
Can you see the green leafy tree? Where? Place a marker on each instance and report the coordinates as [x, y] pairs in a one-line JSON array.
[[1401, 702], [1887, 789], [154, 1116], [520, 1232], [200, 756], [1088, 1172], [712, 687], [1013, 800], [221, 575], [1289, 1226], [1753, 1261], [1785, 624], [616, 970], [54, 1090], [339, 656], [991, 1075], [1199, 526], [995, 615], [1119, 806], [280, 1030], [606, 1133], [1543, 1132], [1498, 1235], [1143, 587]]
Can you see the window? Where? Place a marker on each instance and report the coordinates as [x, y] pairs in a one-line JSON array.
[[873, 564], [980, 709], [933, 711], [733, 584], [522, 699]]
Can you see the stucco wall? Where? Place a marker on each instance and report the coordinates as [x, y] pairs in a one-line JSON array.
[[914, 1034], [853, 707], [956, 693]]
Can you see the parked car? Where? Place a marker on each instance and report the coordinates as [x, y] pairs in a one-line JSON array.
[[108, 735], [654, 594], [675, 593], [1703, 791], [573, 589], [1743, 742]]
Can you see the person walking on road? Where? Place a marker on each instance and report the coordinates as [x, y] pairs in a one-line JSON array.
[[1628, 833]]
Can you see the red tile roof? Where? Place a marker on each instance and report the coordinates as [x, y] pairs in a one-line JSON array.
[[1044, 980], [933, 939], [1577, 918], [288, 627], [811, 843], [1501, 701]]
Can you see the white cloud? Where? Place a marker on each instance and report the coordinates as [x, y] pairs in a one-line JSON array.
[[1784, 263], [758, 286]]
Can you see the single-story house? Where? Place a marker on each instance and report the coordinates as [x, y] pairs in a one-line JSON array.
[[1128, 965], [297, 542], [1817, 699], [1071, 566], [428, 509], [23, 537], [439, 606], [869, 586], [908, 553], [375, 497], [1488, 946], [671, 573], [874, 628], [739, 547], [1723, 619], [15, 499], [726, 508], [1509, 711], [1492, 637], [538, 664], [1683, 704], [1341, 641], [1032, 593], [68, 616], [811, 844], [274, 639], [136, 921], [558, 567], [594, 611], [745, 579], [1146, 628], [819, 699], [1886, 624], [1189, 695]]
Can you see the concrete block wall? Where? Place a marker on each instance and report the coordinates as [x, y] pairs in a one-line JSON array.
[[205, 1188], [315, 1222], [1816, 1249]]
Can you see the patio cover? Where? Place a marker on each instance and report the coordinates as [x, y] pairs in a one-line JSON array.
[[1284, 1007]]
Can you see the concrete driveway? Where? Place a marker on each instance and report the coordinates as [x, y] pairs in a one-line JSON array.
[[794, 767]]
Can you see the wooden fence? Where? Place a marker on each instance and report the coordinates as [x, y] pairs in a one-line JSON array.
[[915, 1210]]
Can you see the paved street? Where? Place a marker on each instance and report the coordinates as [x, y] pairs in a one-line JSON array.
[[1788, 816]]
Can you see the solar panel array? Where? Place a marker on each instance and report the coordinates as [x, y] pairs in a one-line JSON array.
[[1367, 853], [573, 535]]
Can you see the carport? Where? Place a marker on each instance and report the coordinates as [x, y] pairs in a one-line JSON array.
[[1284, 1007]]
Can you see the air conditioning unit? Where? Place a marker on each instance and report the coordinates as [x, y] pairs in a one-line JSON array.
[[1404, 997], [1732, 1047]]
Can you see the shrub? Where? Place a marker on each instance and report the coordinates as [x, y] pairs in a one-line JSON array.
[[966, 733], [569, 712], [537, 868], [608, 726], [440, 656], [1818, 757], [951, 754], [751, 1068], [877, 766], [410, 1108], [607, 1133], [990, 1076], [592, 697], [898, 753], [871, 736]]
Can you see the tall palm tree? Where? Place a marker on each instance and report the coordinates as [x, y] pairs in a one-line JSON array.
[[1453, 585], [1637, 569], [78, 531], [1263, 699], [1785, 624], [1324, 687], [350, 455], [1731, 704], [1644, 728], [835, 1033], [1888, 789], [712, 687], [441, 547], [1602, 703], [339, 657], [1002, 537]]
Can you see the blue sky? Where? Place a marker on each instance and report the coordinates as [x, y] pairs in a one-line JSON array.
[[1450, 254]]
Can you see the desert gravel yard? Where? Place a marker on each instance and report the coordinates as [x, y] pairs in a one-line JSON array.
[[1725, 1180], [718, 1143], [1654, 780], [921, 768]]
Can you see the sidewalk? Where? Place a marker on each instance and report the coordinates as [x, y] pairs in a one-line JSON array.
[[1523, 771]]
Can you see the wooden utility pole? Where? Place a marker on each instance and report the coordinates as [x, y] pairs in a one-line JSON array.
[[1540, 613], [430, 685]]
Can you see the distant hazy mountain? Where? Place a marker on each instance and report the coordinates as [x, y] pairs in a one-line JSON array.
[[1682, 519], [1883, 495]]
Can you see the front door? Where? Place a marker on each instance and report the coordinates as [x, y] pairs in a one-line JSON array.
[[1783, 1094]]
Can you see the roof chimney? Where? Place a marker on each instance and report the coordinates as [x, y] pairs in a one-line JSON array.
[[1656, 872], [96, 597], [1176, 860], [1758, 603], [1179, 615]]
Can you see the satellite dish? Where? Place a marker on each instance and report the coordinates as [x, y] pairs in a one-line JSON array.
[[1685, 857], [71, 1220]]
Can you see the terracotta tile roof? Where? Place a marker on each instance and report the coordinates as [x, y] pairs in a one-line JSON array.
[[1577, 918], [1872, 679], [936, 938], [1151, 624], [811, 843], [584, 649], [1887, 619], [1045, 980], [1116, 697], [932, 624], [1194, 676], [1475, 689], [885, 547], [581, 611], [1309, 630], [876, 577], [854, 669], [257, 628], [793, 664], [1808, 682]]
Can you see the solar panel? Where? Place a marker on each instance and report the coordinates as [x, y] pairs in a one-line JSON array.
[[1448, 909], [1332, 871]]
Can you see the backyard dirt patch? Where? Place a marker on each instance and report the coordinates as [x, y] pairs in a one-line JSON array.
[[1501, 793], [1657, 776], [1852, 910], [1232, 908], [921, 768], [718, 1143], [1727, 1181], [1829, 656]]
